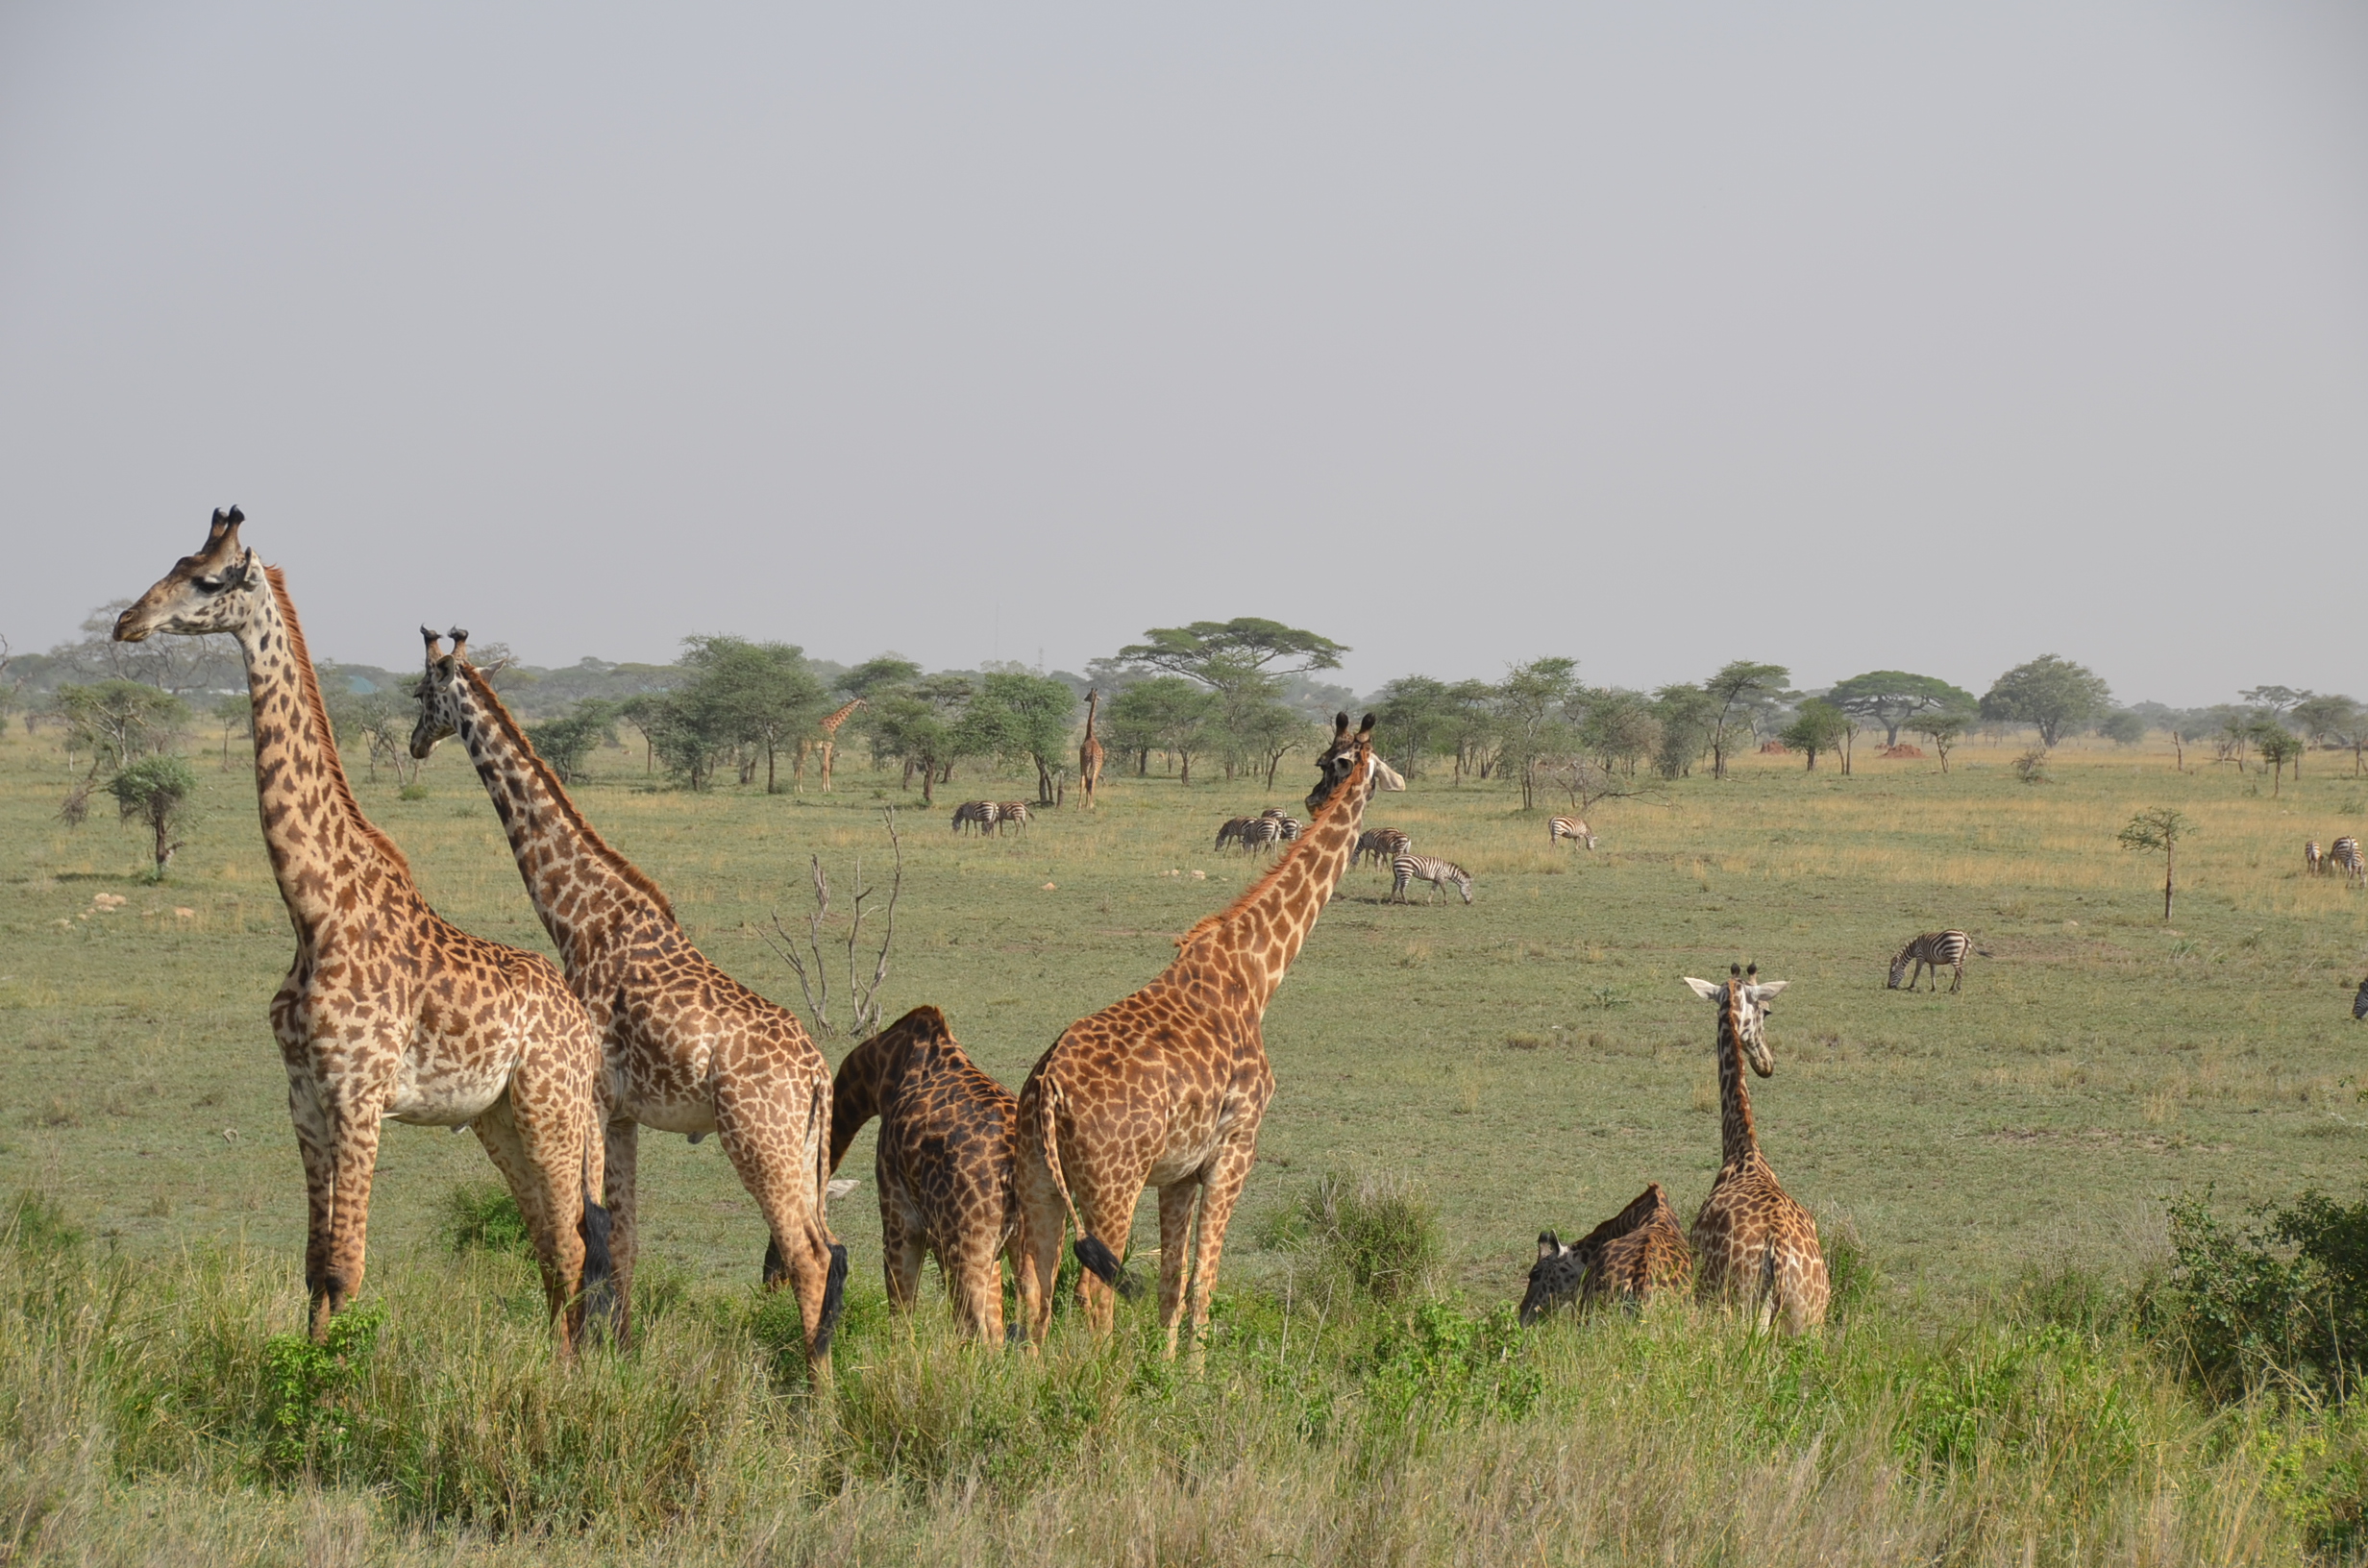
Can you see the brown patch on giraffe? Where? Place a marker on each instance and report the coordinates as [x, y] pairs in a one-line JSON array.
[[1638, 1254]]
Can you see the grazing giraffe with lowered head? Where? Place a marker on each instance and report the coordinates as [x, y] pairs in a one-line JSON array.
[[1635, 1254], [389, 1012], [1165, 1088], [688, 1049], [949, 1137], [827, 744], [1089, 753], [1750, 1239]]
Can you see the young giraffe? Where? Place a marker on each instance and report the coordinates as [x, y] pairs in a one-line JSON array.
[[826, 743], [389, 1012], [1635, 1254], [1089, 752], [1750, 1239], [949, 1136], [688, 1048], [1165, 1088]]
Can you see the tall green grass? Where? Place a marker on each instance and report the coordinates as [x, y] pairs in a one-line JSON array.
[[155, 1405]]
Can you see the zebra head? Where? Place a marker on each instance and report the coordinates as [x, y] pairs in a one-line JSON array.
[[1745, 997], [1899, 968], [1340, 760]]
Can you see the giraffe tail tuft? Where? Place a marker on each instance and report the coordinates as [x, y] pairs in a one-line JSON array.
[[1093, 1253], [1104, 1265], [834, 1302], [602, 1305]]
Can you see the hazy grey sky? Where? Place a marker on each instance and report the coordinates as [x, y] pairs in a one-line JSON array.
[[1848, 337]]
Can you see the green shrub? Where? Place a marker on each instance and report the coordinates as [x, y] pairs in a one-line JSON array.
[[1381, 1232], [2281, 1301], [1441, 1367], [309, 1388], [480, 1216]]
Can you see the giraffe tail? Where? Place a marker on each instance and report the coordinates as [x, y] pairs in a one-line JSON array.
[[834, 1280], [601, 1302], [1093, 1253]]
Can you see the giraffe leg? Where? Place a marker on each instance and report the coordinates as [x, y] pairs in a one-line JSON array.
[[1036, 1262], [1176, 1237], [620, 1193], [975, 1282], [903, 1244], [312, 1147], [1111, 1220], [352, 1159], [1222, 1181], [548, 1127], [772, 1161], [828, 747]]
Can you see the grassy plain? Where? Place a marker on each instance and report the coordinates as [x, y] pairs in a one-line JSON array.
[[1530, 1060]]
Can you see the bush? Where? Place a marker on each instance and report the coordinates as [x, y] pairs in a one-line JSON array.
[[1381, 1232], [479, 1217], [155, 791], [2281, 1301], [2031, 765]]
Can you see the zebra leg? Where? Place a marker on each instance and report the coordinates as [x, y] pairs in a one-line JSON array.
[[1958, 984]]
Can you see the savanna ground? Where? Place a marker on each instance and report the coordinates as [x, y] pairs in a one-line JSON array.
[[2002, 1157]]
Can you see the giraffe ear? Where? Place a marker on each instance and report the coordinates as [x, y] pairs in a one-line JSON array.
[[1549, 1245], [1766, 991], [1705, 990], [1339, 727], [1364, 730]]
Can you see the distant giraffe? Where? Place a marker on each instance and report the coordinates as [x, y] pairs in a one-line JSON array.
[[826, 743], [1635, 1254], [1089, 753], [1750, 1239], [1167, 1087], [390, 1013], [947, 1138], [688, 1048]]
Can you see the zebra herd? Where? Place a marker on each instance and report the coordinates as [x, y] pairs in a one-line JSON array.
[[2343, 855], [990, 816], [1263, 831]]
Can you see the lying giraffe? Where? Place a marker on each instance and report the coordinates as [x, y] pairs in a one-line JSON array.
[[1165, 1088], [1750, 1239], [688, 1048], [1638, 1254], [389, 1012], [948, 1138]]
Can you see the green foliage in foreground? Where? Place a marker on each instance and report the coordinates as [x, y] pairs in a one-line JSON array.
[[145, 1403]]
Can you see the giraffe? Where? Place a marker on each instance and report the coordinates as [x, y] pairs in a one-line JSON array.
[[826, 743], [687, 1048], [1089, 753], [1165, 1088], [1750, 1239], [947, 1140], [388, 1011], [1635, 1254]]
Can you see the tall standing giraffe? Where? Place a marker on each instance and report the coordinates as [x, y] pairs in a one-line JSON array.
[[1750, 1239], [688, 1048], [827, 744], [1089, 752], [388, 1011], [1167, 1087]]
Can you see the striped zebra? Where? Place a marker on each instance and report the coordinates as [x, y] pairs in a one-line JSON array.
[[2314, 859], [2345, 853], [1559, 828], [1232, 831], [1383, 843], [1011, 814], [1287, 826], [977, 813], [1934, 949], [2359, 1003], [1439, 873], [1262, 833]]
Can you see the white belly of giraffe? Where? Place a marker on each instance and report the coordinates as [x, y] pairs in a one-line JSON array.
[[448, 1097]]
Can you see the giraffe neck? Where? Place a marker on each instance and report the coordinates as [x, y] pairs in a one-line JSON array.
[[830, 726], [328, 858], [589, 896], [1261, 932], [1093, 699], [860, 1092], [1738, 1140]]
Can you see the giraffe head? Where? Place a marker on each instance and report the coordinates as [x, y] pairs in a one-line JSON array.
[[438, 692], [1341, 760], [219, 589], [1744, 996], [1554, 1278]]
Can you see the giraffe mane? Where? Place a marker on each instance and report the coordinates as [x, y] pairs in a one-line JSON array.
[[1208, 923], [633, 876], [309, 685]]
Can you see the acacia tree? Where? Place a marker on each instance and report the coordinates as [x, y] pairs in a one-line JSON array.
[[1739, 685], [1943, 731], [117, 722], [1022, 716], [1683, 713], [1167, 713], [1891, 697], [2160, 828], [2278, 746], [2050, 693], [155, 791], [1817, 725], [1533, 704], [759, 694]]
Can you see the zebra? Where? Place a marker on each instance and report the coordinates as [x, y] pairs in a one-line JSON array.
[[1934, 949], [2345, 853], [1439, 873], [1235, 830], [977, 813], [1559, 828], [1012, 813], [2359, 1003], [1383, 843], [2315, 860], [1287, 826], [1262, 833]]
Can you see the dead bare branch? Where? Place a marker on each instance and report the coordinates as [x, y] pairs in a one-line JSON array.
[[805, 954]]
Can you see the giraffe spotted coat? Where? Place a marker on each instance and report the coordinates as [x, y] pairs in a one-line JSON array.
[[1638, 1254], [949, 1136], [389, 1012]]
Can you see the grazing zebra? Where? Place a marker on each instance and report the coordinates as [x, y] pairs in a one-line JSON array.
[[1012, 813], [1936, 949], [1439, 873], [2346, 856], [977, 813], [1234, 831], [1383, 843], [2359, 1003], [2314, 861], [1559, 828], [1262, 833]]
